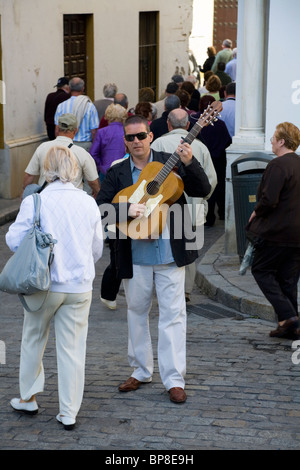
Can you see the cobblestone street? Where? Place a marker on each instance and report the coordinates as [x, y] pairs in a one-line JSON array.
[[242, 386]]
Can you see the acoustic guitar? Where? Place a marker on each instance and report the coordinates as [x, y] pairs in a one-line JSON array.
[[159, 187]]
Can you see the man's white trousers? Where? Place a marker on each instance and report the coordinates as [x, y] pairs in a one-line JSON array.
[[169, 284]]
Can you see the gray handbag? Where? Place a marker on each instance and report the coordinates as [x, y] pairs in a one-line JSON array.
[[247, 259], [33, 188], [28, 270]]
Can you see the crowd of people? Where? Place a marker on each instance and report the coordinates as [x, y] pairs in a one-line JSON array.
[[107, 148]]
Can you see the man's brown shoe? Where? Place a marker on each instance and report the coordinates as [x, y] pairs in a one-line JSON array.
[[289, 329], [130, 385], [177, 395]]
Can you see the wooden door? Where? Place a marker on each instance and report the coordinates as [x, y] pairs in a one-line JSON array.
[[75, 46], [148, 50], [225, 22]]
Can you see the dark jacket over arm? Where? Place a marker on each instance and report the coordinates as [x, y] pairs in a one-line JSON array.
[[196, 184]]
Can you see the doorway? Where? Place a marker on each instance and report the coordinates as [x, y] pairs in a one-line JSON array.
[[79, 49]]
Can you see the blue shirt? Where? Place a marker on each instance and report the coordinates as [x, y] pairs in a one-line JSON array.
[[90, 120], [228, 115], [150, 252], [231, 69]]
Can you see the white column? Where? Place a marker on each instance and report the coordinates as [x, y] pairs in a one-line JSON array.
[[250, 113], [250, 97]]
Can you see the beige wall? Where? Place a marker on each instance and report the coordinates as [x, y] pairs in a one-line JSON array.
[[32, 60]]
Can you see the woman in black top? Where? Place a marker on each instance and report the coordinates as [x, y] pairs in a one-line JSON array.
[[274, 226]]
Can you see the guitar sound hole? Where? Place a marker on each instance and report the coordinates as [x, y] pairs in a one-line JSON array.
[[152, 188]]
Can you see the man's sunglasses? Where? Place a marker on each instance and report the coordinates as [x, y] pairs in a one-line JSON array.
[[140, 136]]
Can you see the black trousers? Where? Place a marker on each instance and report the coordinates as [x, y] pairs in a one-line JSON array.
[[276, 270], [218, 196], [51, 131], [110, 284]]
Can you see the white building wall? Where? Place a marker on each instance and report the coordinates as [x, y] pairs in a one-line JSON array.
[[32, 61]]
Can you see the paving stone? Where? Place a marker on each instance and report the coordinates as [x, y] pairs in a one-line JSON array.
[[242, 386]]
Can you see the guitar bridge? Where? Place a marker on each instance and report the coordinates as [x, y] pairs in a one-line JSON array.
[[139, 193]]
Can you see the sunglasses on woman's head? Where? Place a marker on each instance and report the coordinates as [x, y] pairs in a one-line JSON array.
[[140, 136]]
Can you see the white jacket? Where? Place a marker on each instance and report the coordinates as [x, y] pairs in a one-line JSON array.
[[169, 143], [73, 219]]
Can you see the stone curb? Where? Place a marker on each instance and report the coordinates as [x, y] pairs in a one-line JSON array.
[[9, 213], [218, 277]]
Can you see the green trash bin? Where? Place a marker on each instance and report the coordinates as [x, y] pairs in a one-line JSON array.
[[245, 184]]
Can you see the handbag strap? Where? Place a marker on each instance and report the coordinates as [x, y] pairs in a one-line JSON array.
[[42, 187], [37, 205], [25, 305]]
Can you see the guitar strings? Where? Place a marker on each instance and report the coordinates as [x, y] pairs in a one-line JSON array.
[[175, 157]]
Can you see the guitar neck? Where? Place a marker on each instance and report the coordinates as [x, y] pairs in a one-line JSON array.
[[208, 116], [175, 157]]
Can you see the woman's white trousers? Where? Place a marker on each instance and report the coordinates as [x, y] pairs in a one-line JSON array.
[[70, 312]]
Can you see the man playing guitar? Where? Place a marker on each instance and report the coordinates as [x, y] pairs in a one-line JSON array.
[[159, 261]]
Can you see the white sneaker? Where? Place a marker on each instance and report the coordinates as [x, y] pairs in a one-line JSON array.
[[67, 422], [112, 304], [29, 407]]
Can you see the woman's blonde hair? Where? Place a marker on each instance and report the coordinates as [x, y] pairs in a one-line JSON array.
[[115, 113], [60, 163], [290, 134], [211, 51]]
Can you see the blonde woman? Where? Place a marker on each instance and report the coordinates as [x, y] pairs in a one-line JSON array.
[[109, 144], [73, 219]]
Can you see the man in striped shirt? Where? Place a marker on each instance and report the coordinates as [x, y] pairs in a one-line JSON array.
[[84, 110]]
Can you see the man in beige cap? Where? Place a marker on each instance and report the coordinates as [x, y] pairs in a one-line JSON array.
[[67, 128]]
